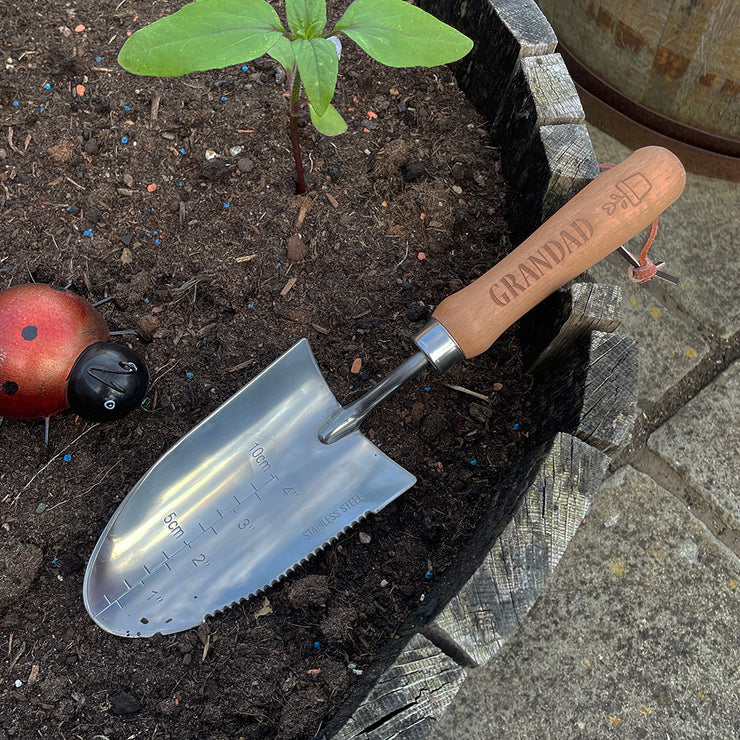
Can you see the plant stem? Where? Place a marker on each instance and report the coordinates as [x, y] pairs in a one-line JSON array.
[[294, 104]]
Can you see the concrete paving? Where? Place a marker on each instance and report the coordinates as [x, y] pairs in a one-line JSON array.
[[637, 633]]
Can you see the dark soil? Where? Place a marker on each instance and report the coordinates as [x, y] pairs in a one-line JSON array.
[[404, 208]]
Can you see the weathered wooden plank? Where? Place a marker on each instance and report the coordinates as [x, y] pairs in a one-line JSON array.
[[556, 165], [408, 698], [541, 93], [590, 391], [504, 31], [585, 307], [489, 607]]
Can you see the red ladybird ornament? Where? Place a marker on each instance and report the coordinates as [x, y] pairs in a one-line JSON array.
[[55, 353]]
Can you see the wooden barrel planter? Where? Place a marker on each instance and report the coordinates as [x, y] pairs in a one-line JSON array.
[[585, 378], [658, 72]]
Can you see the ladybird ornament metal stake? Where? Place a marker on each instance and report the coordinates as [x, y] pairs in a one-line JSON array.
[[55, 353]]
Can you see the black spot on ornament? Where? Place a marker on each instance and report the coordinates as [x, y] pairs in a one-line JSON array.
[[9, 387], [29, 333]]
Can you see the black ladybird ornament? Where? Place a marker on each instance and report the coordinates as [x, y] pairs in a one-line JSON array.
[[55, 353]]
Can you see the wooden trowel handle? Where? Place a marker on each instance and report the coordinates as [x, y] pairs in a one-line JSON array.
[[608, 212]]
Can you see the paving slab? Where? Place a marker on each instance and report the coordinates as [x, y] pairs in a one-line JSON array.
[[702, 440], [698, 238], [635, 635], [668, 347]]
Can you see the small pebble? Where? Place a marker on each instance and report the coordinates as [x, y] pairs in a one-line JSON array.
[[245, 164], [41, 508], [296, 252], [364, 538]]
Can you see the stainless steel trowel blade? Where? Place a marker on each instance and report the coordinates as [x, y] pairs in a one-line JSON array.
[[238, 502]]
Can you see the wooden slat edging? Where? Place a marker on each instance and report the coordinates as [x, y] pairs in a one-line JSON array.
[[408, 698], [556, 165], [489, 607], [504, 31], [585, 307], [590, 391], [541, 94]]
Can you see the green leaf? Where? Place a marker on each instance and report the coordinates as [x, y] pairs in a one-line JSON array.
[[330, 124], [206, 34], [318, 66], [401, 35], [306, 18], [282, 53]]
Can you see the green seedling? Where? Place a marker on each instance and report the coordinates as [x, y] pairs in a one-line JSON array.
[[211, 34]]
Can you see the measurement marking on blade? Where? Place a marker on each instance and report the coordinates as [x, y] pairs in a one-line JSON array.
[[260, 459], [200, 561], [179, 527], [173, 525]]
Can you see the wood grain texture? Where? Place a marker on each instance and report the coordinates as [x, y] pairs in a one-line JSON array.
[[489, 607], [590, 391], [558, 163], [590, 307], [610, 399], [504, 31], [541, 93], [408, 698]]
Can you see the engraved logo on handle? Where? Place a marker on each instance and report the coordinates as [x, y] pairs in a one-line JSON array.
[[630, 192]]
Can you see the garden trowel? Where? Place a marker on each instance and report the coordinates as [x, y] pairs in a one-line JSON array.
[[281, 469]]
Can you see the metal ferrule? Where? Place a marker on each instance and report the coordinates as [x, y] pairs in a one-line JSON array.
[[438, 345]]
